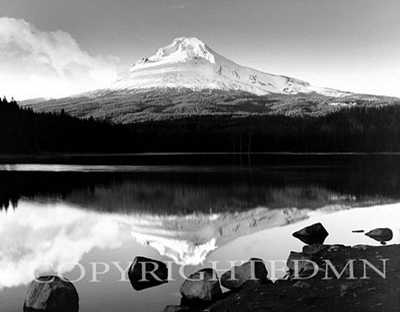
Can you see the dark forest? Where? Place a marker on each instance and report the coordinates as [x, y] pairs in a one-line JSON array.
[[355, 129]]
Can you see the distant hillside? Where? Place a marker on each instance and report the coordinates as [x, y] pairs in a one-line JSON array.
[[130, 106]]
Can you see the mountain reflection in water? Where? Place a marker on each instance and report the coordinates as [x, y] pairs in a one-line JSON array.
[[36, 236], [192, 215]]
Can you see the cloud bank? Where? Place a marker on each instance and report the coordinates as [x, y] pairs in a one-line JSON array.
[[35, 63]]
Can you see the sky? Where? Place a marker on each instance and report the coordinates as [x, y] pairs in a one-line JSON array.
[[51, 48]]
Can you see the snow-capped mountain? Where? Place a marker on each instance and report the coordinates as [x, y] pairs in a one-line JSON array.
[[188, 78], [190, 63]]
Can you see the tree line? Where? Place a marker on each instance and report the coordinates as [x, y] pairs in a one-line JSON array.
[[24, 131], [355, 129]]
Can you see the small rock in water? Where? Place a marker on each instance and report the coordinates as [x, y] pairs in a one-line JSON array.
[[51, 294], [156, 273], [381, 234], [201, 286], [313, 234], [358, 231]]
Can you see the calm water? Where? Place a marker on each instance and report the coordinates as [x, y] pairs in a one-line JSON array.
[[70, 212]]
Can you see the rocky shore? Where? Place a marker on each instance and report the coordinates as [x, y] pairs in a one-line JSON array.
[[363, 291], [319, 277]]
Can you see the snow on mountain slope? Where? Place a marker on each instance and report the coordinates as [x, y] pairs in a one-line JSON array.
[[190, 63]]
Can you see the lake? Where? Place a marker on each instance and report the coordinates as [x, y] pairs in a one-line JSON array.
[[84, 215]]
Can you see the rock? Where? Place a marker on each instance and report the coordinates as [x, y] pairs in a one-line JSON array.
[[51, 294], [176, 308], [314, 249], [381, 234], [336, 247], [201, 286], [313, 234], [306, 266], [285, 280], [349, 288], [156, 273], [253, 270], [302, 284], [361, 247]]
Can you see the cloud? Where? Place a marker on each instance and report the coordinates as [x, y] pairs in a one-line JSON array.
[[35, 63]]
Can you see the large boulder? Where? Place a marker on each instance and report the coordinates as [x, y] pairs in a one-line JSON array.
[[313, 234], [201, 286], [381, 234], [253, 270], [145, 273], [51, 294]]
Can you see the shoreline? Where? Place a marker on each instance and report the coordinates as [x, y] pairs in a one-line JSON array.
[[321, 294]]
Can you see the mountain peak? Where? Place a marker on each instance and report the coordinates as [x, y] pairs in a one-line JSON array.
[[187, 62], [181, 49], [190, 47]]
